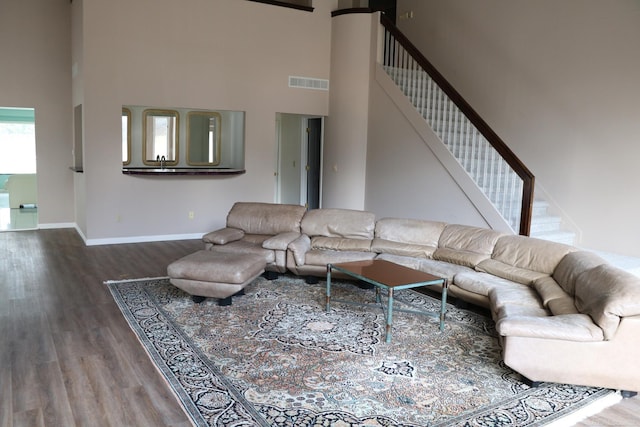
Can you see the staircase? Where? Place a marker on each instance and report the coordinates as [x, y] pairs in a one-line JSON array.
[[547, 226], [483, 162]]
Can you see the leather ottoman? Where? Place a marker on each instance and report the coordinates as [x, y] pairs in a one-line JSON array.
[[214, 274]]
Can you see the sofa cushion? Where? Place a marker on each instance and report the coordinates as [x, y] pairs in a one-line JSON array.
[[223, 236], [345, 223], [607, 293], [245, 247], [324, 257], [256, 239], [509, 272], [340, 244], [466, 245], [512, 310], [524, 259], [514, 294], [570, 327], [572, 265], [299, 248], [410, 237], [553, 297], [212, 266], [382, 246], [281, 241], [442, 269], [407, 261], [265, 218], [548, 289], [560, 306], [480, 283]]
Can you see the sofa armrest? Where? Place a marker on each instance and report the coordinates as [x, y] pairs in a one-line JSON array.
[[570, 327], [281, 241], [223, 236], [299, 247]]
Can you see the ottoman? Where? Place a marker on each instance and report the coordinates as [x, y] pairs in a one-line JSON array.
[[215, 274]]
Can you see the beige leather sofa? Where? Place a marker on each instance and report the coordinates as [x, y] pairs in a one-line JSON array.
[[563, 315], [330, 236], [264, 229]]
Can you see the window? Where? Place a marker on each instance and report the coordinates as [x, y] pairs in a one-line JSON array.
[[126, 136], [160, 137], [17, 141], [203, 138]]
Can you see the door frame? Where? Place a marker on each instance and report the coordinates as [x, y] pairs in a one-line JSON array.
[[303, 156]]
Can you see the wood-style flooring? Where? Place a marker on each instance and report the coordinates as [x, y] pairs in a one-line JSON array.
[[68, 357]]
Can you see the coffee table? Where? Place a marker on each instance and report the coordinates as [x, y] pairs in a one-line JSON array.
[[390, 276]]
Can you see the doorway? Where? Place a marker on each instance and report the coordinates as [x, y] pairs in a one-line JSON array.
[[18, 187], [298, 175]]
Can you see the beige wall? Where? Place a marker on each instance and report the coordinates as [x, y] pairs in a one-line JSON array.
[[35, 72], [227, 54], [558, 81], [404, 177], [345, 141]]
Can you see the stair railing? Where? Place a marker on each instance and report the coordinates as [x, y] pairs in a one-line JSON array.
[[505, 180]]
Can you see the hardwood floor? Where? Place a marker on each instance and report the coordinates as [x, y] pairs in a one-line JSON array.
[[68, 357]]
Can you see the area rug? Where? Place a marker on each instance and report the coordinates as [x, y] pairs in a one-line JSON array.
[[275, 357]]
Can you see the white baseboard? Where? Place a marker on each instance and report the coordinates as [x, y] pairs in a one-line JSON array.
[[122, 240], [141, 239], [57, 225], [82, 236]]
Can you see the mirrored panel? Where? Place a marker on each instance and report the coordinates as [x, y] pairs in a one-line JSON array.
[[214, 140], [126, 136], [160, 137], [203, 138]]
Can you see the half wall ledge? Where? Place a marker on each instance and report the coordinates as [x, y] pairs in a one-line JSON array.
[[182, 171]]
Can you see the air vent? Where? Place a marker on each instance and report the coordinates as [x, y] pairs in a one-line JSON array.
[[308, 83]]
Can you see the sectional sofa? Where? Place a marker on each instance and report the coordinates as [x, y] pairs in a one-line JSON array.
[[563, 314]]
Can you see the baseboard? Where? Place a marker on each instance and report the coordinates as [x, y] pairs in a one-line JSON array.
[[122, 240], [141, 239], [53, 225]]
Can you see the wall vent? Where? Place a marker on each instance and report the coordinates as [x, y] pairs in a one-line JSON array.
[[308, 83]]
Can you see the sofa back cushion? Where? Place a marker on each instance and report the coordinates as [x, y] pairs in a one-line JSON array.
[[607, 293], [265, 218], [407, 237], [340, 244], [466, 245], [572, 265], [345, 223], [524, 259], [553, 297]]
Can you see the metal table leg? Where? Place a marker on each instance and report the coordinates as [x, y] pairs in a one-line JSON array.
[[443, 306], [328, 288], [389, 315]]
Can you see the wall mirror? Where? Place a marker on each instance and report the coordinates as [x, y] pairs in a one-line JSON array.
[[191, 140], [160, 137], [203, 138], [126, 136]]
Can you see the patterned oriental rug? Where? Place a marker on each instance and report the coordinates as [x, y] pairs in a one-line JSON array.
[[276, 358]]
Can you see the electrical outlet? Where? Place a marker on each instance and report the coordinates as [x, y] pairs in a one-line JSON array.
[[191, 215]]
